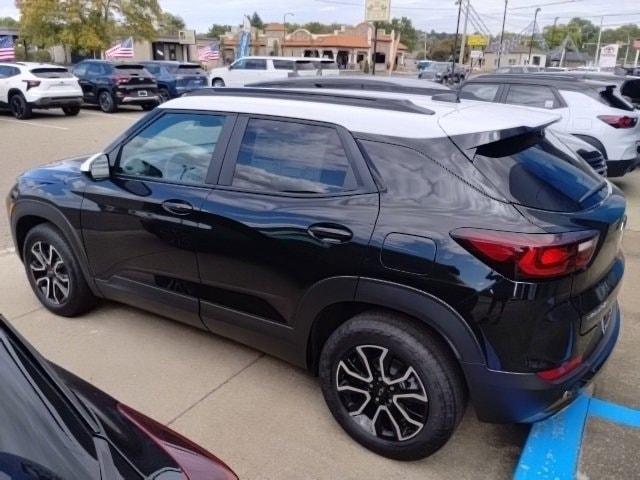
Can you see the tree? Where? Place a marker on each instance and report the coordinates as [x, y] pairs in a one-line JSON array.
[[170, 24], [256, 21], [217, 31], [87, 24], [403, 26], [9, 22]]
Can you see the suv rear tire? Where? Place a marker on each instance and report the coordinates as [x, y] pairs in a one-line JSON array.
[[54, 272], [19, 107], [106, 102], [371, 353], [71, 111]]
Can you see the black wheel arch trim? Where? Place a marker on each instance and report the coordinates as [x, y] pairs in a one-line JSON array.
[[38, 208], [418, 304], [593, 142]]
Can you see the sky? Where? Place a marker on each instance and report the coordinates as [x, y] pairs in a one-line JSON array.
[[439, 15]]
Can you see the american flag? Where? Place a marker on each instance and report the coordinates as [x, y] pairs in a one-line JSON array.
[[7, 48], [120, 50], [208, 53]]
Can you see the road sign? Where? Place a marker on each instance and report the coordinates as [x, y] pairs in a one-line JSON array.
[[377, 10], [608, 56], [476, 54], [477, 41], [187, 37]]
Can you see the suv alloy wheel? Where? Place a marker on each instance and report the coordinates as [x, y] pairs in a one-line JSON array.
[[107, 102], [19, 107], [392, 385], [54, 272]]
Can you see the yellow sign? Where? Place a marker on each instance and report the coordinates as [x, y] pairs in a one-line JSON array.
[[377, 10], [477, 41]]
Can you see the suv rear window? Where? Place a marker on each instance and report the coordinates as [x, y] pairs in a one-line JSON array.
[[539, 171], [130, 69], [612, 98], [190, 70], [51, 72]]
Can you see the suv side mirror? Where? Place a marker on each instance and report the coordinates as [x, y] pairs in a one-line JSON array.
[[96, 166]]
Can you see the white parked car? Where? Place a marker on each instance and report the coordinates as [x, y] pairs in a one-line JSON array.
[[26, 85], [257, 69], [593, 111]]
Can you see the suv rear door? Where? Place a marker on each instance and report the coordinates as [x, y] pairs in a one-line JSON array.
[[295, 205]]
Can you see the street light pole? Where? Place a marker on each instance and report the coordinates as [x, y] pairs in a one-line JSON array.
[[504, 19], [533, 32], [455, 42], [284, 24]]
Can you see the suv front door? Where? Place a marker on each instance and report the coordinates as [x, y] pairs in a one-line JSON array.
[[140, 225], [295, 205]]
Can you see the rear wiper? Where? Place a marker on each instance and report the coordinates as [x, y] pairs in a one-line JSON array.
[[592, 190]]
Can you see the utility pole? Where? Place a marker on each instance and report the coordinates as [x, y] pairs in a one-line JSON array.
[[504, 19], [533, 32], [375, 48], [599, 39], [626, 55], [455, 42], [464, 34]]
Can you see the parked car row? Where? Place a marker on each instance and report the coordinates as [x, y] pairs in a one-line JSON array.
[[25, 86], [412, 249]]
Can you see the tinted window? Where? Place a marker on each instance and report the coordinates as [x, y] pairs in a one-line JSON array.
[[283, 64], [98, 69], [326, 65], [538, 172], [305, 65], [239, 65], [480, 91], [57, 72], [255, 64], [532, 96], [283, 156], [190, 70], [131, 69], [177, 147], [154, 69], [4, 71], [80, 70]]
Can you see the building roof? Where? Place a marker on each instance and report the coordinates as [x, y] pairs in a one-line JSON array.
[[274, 27], [569, 56]]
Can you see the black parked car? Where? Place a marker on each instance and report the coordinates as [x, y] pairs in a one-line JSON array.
[[408, 253], [111, 84], [55, 426], [442, 72], [176, 78]]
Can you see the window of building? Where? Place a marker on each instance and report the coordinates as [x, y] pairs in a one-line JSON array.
[[291, 157], [177, 147]]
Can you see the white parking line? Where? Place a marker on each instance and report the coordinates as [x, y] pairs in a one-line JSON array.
[[108, 115], [32, 124]]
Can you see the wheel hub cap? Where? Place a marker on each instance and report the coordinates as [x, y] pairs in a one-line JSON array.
[[49, 273], [382, 393]]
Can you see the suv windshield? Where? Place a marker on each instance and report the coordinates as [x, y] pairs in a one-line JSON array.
[[539, 171]]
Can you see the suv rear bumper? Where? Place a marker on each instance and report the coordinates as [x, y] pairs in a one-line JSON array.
[[505, 397], [56, 102], [618, 168]]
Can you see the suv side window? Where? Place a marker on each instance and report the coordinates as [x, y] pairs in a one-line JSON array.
[[485, 92], [283, 64], [177, 147], [94, 69], [4, 72], [239, 65], [292, 157], [151, 68], [255, 64], [538, 96]]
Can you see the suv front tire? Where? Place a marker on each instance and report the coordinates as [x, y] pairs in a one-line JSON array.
[[392, 385]]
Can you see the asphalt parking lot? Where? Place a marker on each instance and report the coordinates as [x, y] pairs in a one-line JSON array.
[[264, 417]]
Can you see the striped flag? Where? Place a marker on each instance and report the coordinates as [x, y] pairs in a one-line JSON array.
[[208, 53], [7, 48], [120, 50]]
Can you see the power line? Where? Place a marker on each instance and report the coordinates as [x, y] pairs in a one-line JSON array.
[[561, 2]]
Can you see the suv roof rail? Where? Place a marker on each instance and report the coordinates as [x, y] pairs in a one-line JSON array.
[[398, 105]]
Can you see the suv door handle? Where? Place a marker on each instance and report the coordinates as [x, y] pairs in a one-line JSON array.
[[330, 233], [177, 207]]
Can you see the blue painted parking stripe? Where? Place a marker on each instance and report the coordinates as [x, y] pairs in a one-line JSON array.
[[551, 450], [614, 413]]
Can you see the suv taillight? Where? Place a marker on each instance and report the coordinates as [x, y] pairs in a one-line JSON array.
[[121, 80], [530, 256], [195, 461], [619, 121], [32, 84]]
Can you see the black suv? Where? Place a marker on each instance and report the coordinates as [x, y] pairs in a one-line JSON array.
[[410, 253], [176, 78], [111, 84]]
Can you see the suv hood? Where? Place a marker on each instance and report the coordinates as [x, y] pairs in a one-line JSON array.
[[472, 125]]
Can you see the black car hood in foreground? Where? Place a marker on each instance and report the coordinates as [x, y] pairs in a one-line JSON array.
[[56, 426]]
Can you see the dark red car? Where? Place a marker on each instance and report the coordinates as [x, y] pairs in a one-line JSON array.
[[55, 426]]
